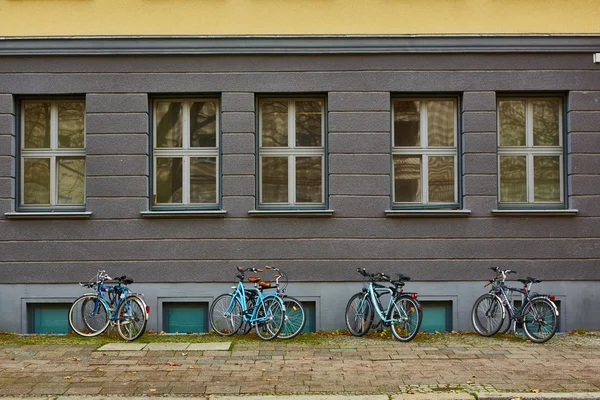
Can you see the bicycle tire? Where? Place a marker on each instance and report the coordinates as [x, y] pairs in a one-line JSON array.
[[540, 320], [487, 315], [359, 314], [88, 316], [506, 322], [134, 326], [272, 313], [295, 318], [222, 321], [406, 318], [247, 326]]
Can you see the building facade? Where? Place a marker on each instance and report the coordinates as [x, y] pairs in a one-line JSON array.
[[434, 140]]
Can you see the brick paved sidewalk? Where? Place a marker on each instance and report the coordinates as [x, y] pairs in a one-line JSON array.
[[342, 365]]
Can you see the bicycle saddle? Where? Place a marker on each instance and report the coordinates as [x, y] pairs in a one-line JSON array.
[[402, 277], [124, 280], [397, 283], [264, 285], [253, 279]]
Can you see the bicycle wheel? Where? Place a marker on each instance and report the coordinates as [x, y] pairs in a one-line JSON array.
[[225, 315], [487, 315], [506, 323], [271, 317], [131, 322], [295, 318], [88, 316], [247, 326], [539, 320], [359, 314], [406, 318]]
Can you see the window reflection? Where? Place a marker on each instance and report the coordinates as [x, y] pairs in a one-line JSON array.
[[274, 179]]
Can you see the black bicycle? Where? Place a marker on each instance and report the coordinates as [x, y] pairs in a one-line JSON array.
[[494, 312]]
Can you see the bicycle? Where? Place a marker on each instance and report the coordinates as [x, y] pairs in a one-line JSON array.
[[228, 311], [538, 314], [92, 313], [403, 312]]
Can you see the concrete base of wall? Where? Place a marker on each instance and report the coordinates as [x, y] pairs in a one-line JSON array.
[[579, 301]]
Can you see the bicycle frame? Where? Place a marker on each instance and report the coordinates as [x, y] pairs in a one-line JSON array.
[[101, 295], [374, 291], [240, 294]]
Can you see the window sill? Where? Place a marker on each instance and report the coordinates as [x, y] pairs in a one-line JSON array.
[[49, 215], [184, 214], [290, 213], [427, 213], [535, 213]]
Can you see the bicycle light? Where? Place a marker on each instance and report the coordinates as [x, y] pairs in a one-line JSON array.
[[147, 309], [551, 297], [413, 295]]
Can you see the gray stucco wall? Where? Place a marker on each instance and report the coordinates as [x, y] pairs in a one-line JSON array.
[[358, 89]]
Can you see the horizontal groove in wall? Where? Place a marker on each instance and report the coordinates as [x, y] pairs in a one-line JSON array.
[[307, 44]]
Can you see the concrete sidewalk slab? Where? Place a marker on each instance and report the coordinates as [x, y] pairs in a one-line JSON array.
[[539, 396], [209, 346], [167, 346], [122, 347]]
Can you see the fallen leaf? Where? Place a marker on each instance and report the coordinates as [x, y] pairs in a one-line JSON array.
[[191, 367], [184, 354], [76, 359], [453, 332], [13, 359], [172, 364], [152, 390], [517, 398], [169, 369], [67, 377], [535, 390], [470, 382], [409, 391], [83, 378], [133, 372]]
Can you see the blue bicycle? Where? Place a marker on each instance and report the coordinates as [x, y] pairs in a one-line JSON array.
[[230, 310], [115, 304], [403, 312]]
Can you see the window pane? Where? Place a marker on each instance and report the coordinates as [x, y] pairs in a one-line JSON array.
[[203, 124], [37, 125], [441, 179], [169, 124], [36, 181], [71, 180], [168, 180], [407, 117], [407, 179], [513, 180], [440, 123], [71, 125], [308, 123], [203, 180], [308, 180], [274, 129], [546, 170], [545, 122], [274, 179], [511, 114]]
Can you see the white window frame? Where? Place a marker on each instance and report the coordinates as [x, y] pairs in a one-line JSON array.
[[185, 153], [291, 152], [424, 152], [529, 151], [52, 153]]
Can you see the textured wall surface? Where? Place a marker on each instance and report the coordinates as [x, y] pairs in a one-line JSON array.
[[358, 90]]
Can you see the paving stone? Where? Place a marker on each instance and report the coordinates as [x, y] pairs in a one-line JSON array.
[[213, 346]]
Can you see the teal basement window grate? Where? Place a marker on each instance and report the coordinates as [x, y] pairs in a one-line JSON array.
[[185, 317], [437, 316], [48, 318]]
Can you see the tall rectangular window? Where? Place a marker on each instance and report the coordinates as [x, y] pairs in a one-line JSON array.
[[424, 152], [52, 166], [530, 151], [292, 153], [186, 153]]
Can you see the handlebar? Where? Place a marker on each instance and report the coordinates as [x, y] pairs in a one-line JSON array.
[[381, 276]]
